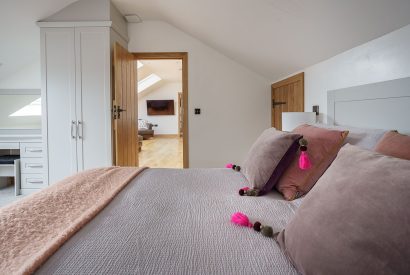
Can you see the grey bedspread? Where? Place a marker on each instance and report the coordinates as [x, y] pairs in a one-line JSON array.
[[171, 221]]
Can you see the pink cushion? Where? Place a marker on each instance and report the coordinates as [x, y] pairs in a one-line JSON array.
[[355, 220], [395, 145], [323, 146]]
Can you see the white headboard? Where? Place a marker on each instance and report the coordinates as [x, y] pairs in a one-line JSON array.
[[383, 105]]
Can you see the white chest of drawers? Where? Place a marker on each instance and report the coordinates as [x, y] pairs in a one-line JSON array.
[[33, 168]]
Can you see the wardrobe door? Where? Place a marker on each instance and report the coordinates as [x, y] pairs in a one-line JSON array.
[[58, 95], [93, 97]]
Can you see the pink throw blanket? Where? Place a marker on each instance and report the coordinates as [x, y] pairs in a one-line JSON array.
[[32, 229]]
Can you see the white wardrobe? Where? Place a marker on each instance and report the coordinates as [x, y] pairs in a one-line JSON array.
[[76, 95]]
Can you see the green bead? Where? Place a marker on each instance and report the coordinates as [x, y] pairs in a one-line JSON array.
[[267, 231], [303, 142], [252, 192]]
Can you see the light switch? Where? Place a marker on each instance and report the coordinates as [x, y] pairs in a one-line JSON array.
[[315, 109]]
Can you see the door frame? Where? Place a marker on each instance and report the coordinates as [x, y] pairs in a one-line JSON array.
[[183, 56], [294, 78]]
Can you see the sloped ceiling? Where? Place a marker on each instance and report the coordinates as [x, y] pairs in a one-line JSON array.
[[272, 37], [169, 70], [277, 37], [19, 34]]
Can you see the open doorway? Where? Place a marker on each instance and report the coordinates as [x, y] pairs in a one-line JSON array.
[[162, 104]]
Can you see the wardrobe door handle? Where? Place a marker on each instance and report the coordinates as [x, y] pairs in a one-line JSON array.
[[34, 165], [35, 181], [80, 129], [73, 123], [34, 150]]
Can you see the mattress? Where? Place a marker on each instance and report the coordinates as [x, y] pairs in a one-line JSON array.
[[172, 221]]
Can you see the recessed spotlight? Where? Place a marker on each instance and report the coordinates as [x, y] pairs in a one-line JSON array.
[[133, 18]]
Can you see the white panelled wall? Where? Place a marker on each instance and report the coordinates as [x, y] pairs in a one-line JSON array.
[[385, 58]]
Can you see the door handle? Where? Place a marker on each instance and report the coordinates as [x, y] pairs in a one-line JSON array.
[[80, 129], [117, 111], [34, 150], [35, 181], [34, 165], [73, 123]]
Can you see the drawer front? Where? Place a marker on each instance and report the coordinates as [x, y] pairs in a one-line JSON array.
[[9, 145], [33, 181], [32, 165], [31, 150]]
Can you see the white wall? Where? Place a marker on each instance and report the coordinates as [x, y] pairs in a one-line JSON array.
[[28, 77], [382, 59], [235, 102], [84, 10], [167, 125]]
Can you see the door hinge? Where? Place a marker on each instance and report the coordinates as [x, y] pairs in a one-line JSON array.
[[114, 112], [275, 103]]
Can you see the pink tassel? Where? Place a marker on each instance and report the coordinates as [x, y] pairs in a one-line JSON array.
[[304, 161], [241, 219], [229, 165]]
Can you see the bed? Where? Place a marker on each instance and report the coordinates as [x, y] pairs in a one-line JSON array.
[[164, 221], [171, 221]]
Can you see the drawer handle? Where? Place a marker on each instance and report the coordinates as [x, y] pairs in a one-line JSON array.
[[34, 150], [35, 165], [35, 181]]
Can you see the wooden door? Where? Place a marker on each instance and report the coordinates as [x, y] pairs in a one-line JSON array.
[[287, 96], [125, 110]]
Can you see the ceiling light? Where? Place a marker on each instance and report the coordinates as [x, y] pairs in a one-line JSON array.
[[133, 18]]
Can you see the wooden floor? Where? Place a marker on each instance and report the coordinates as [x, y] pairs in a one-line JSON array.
[[162, 152]]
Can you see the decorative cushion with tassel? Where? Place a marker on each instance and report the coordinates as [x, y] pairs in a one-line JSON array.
[[268, 158], [318, 149]]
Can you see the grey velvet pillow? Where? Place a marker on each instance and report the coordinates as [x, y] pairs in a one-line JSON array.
[[269, 157], [361, 137], [355, 220]]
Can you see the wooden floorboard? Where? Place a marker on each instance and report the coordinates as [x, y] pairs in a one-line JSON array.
[[162, 152]]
